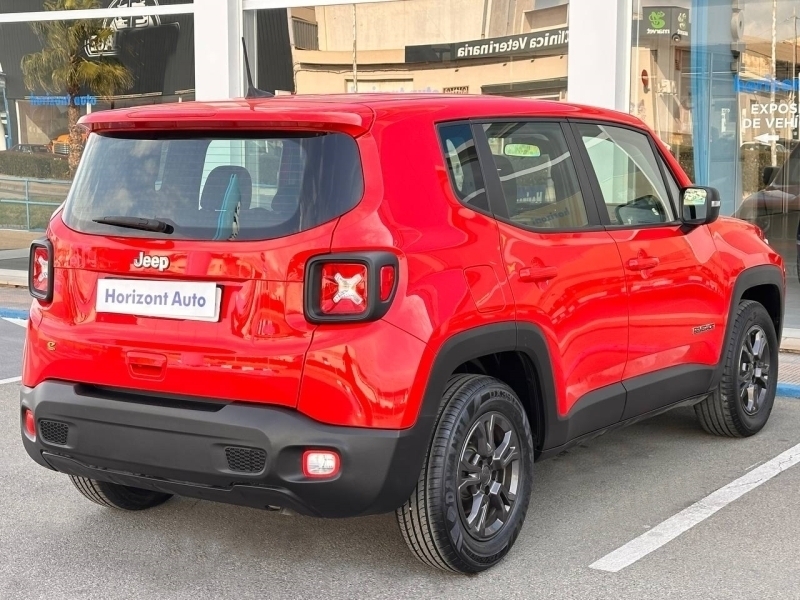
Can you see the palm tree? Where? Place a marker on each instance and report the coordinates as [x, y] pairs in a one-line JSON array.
[[63, 66]]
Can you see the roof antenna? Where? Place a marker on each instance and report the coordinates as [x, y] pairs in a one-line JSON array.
[[252, 91]]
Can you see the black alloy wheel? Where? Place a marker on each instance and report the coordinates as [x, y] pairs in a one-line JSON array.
[[754, 372], [489, 475]]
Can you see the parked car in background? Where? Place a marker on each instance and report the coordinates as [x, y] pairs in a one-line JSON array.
[[777, 206], [29, 148]]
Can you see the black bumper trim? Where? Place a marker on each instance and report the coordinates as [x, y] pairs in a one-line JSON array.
[[181, 451]]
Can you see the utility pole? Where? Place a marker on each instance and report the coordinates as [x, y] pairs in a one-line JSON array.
[[774, 147], [796, 76], [355, 51]]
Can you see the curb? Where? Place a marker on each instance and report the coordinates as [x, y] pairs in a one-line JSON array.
[[788, 390], [13, 313]]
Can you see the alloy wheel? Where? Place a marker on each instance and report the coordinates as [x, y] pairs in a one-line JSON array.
[[489, 475], [754, 371]]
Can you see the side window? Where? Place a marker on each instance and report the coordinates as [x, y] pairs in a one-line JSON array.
[[461, 157], [627, 170], [538, 177]]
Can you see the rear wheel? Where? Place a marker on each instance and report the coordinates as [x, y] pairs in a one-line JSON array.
[[472, 494], [742, 403], [114, 495]]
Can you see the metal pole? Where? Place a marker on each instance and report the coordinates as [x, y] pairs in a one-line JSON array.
[[355, 52], [796, 76], [774, 147], [27, 206]]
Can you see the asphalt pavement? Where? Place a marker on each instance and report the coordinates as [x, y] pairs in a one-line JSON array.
[[587, 503]]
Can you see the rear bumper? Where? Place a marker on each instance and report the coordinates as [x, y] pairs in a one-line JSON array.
[[179, 447]]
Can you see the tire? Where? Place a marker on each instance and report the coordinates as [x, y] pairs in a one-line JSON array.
[[434, 520], [114, 495], [737, 408]]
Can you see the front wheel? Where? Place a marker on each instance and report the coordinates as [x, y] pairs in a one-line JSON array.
[[473, 491], [740, 406]]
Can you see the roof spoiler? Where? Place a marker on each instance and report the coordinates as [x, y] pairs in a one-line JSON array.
[[252, 91]]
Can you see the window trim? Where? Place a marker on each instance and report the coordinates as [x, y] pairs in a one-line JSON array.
[[595, 183], [443, 154], [494, 187]]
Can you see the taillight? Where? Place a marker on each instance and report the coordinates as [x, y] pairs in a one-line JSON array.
[[40, 270], [350, 287], [343, 289]]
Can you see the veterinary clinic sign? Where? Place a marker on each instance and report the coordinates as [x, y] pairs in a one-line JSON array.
[[550, 41]]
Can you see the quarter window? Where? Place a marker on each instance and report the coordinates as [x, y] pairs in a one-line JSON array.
[[537, 174], [461, 157], [628, 173]]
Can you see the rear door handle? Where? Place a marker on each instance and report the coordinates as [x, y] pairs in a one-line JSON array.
[[643, 263], [533, 274]]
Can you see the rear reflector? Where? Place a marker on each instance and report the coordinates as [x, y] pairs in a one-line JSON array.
[[320, 463], [29, 423], [387, 282], [343, 289]]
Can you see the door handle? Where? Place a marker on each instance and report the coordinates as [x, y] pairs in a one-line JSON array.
[[643, 263], [533, 274]]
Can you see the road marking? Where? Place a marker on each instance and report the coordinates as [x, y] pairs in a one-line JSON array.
[[20, 322], [698, 512], [10, 380]]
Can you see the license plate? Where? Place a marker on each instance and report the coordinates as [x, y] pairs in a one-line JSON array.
[[190, 300]]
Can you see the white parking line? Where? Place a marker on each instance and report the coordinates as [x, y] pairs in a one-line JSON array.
[[10, 380], [20, 322], [699, 511]]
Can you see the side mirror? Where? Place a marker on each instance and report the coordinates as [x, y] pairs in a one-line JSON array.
[[769, 175], [699, 205]]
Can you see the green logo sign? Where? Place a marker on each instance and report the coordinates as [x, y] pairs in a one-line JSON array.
[[657, 20]]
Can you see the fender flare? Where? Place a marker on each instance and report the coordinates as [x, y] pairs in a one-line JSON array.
[[749, 278], [508, 336]]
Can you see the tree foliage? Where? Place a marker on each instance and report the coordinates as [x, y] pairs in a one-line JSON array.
[[62, 65]]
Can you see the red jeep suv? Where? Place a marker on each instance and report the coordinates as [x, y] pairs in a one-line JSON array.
[[348, 305]]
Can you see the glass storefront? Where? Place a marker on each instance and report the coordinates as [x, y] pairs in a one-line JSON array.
[[506, 47], [158, 52], [718, 82]]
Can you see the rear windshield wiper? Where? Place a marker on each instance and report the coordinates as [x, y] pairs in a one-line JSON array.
[[155, 225]]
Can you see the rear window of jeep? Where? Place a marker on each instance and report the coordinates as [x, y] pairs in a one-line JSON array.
[[214, 188]]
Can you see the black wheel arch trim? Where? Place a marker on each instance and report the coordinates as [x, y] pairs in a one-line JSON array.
[[748, 279], [548, 429]]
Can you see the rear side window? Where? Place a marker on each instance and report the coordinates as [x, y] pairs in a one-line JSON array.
[[538, 178], [461, 158], [215, 188]]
